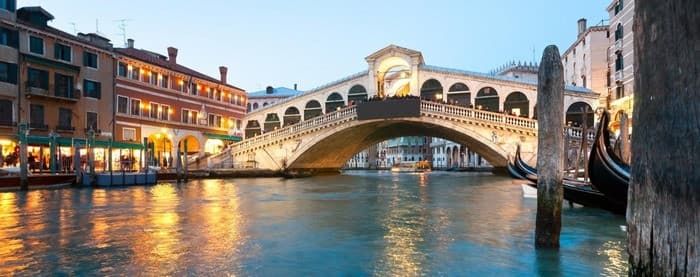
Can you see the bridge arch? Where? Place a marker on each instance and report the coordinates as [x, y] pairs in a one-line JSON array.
[[334, 146], [312, 109], [252, 128], [334, 102], [487, 99], [575, 111], [291, 116], [357, 94], [517, 103], [272, 122], [431, 90], [459, 94]]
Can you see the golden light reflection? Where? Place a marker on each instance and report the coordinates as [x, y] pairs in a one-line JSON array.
[[616, 261], [10, 262], [99, 233], [224, 231]]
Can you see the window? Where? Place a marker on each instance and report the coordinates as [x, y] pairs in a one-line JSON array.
[[154, 110], [619, 62], [38, 78], [6, 112], [164, 81], [619, 32], [135, 107], [129, 134], [62, 52], [91, 121], [9, 37], [195, 117], [36, 45], [212, 119], [620, 92], [185, 115], [219, 121], [92, 89], [8, 73], [238, 124], [36, 116], [64, 119], [121, 69], [7, 5], [153, 80], [164, 112], [193, 88], [618, 7], [217, 95], [122, 104], [135, 72], [63, 85], [90, 59]]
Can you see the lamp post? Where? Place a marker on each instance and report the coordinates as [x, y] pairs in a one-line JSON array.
[[52, 151]]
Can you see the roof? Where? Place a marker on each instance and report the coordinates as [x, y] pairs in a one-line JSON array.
[[57, 32], [37, 9], [394, 48], [159, 60], [281, 92], [497, 77]]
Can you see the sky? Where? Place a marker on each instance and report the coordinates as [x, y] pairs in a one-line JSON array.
[[311, 43]]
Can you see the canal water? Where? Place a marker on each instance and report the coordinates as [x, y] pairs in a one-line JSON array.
[[359, 223]]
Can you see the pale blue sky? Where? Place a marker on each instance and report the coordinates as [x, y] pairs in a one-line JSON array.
[[279, 43]]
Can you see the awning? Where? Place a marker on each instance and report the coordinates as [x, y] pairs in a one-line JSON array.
[[223, 137], [68, 142]]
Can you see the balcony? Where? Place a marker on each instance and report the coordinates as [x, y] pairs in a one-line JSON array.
[[7, 123], [38, 126], [60, 128], [35, 89]]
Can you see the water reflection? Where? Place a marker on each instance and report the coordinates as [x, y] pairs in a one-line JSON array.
[[10, 245]]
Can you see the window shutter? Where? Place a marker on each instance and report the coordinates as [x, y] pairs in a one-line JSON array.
[[86, 62], [98, 89], [56, 50], [12, 73], [13, 38], [85, 88]]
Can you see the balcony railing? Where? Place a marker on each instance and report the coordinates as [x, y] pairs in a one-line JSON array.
[[39, 126], [65, 128], [5, 123]]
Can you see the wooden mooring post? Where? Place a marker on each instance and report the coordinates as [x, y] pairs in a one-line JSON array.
[[550, 148], [664, 197]]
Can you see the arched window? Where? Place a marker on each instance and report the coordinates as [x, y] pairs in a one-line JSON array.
[[334, 102], [619, 62], [255, 106], [619, 33], [272, 122], [291, 116], [252, 128], [431, 90], [312, 109], [517, 103], [487, 99], [459, 94], [357, 94]]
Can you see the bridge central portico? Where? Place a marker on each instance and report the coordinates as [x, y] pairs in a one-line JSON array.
[[319, 129]]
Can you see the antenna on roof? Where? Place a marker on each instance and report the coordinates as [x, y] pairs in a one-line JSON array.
[[122, 28], [97, 26], [75, 31]]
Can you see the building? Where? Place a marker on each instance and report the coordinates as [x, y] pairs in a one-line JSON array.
[[270, 95], [59, 84], [448, 154], [621, 56], [168, 105], [519, 70], [586, 62]]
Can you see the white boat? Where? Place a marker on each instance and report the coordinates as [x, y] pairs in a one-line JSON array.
[[529, 191], [421, 166]]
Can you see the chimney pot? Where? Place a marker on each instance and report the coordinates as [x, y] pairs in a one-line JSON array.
[[269, 90], [581, 26], [172, 55], [130, 43], [295, 86], [223, 70]]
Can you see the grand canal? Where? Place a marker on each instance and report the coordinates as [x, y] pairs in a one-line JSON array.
[[353, 224]]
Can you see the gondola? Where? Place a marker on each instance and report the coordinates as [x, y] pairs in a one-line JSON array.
[[575, 191], [608, 173]]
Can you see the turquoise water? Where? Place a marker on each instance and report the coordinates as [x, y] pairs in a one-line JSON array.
[[451, 224]]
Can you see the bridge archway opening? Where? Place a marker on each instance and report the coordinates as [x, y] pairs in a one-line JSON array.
[[334, 149], [162, 146], [431, 90], [312, 109], [487, 99], [252, 128], [574, 114], [334, 102], [291, 116], [272, 122], [459, 94], [517, 103], [393, 75], [357, 94]]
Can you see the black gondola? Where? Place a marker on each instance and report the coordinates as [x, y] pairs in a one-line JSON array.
[[608, 173], [575, 191]]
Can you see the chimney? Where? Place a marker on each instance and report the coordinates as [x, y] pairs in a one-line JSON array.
[[223, 70], [130, 43], [172, 55], [269, 90], [581, 26], [295, 86]]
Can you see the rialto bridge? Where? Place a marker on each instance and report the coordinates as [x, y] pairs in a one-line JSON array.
[[322, 128]]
